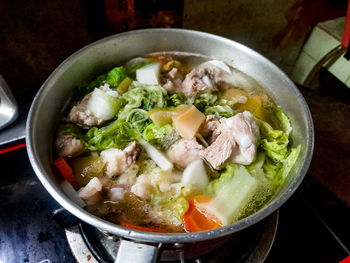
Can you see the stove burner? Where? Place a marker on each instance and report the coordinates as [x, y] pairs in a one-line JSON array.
[[250, 245]]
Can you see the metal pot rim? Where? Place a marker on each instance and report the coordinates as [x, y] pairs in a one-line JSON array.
[[158, 237]]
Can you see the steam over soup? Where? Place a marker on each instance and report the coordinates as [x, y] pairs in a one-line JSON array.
[[173, 142]]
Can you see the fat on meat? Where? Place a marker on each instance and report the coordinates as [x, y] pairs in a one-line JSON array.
[[237, 141], [80, 114], [91, 193], [143, 186], [118, 161], [184, 151], [68, 146]]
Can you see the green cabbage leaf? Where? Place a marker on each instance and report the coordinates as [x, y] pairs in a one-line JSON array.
[[113, 77], [161, 136], [118, 134]]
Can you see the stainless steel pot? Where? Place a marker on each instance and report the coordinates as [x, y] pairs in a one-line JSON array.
[[99, 56]]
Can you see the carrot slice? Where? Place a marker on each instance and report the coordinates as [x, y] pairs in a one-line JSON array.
[[65, 170], [141, 228], [198, 218]]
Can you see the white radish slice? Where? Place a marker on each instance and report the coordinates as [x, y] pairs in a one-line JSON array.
[[195, 174], [157, 156], [149, 74], [72, 194]]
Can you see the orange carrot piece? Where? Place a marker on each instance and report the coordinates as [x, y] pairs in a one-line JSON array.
[[141, 228], [197, 218], [162, 59], [65, 170]]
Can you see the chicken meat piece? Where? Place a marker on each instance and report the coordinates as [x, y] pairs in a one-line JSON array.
[[68, 146], [91, 193], [237, 141], [172, 81], [184, 151], [80, 114], [118, 161]]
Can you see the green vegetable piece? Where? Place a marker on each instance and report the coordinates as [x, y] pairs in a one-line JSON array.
[[205, 100], [232, 192], [81, 91], [116, 135], [124, 85], [274, 142], [145, 96], [276, 171], [220, 111], [279, 158], [115, 76], [137, 117], [161, 136], [71, 129], [271, 169], [176, 99], [104, 106], [285, 122]]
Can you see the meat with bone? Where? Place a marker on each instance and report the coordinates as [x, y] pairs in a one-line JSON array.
[[215, 75], [207, 77], [80, 114], [68, 146], [237, 141], [118, 161], [209, 128], [172, 81]]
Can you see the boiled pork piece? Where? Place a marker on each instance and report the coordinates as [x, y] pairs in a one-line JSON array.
[[80, 114], [172, 81], [68, 146], [184, 151], [215, 75], [209, 128], [118, 161], [236, 142]]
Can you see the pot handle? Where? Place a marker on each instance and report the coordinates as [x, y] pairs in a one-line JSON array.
[[130, 251], [64, 218]]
